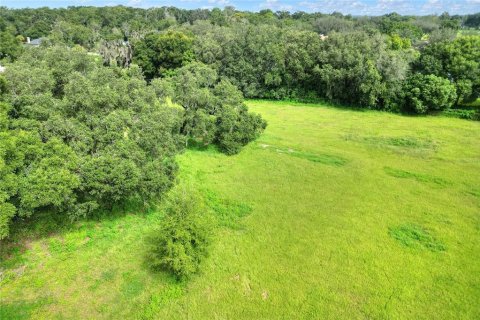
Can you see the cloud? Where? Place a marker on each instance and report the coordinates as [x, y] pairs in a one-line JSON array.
[[134, 3], [380, 7], [219, 2], [330, 6], [355, 7], [276, 5]]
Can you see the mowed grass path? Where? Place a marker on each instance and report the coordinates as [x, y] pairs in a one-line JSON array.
[[346, 215]]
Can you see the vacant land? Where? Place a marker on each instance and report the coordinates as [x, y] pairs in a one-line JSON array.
[[330, 214]]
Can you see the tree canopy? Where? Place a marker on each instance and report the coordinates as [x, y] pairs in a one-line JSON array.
[[79, 137]]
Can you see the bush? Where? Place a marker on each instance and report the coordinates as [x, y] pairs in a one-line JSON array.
[[237, 127], [425, 93], [463, 114], [181, 241]]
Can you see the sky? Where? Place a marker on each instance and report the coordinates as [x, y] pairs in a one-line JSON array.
[[354, 7]]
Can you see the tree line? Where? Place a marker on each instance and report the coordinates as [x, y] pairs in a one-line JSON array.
[[382, 62]]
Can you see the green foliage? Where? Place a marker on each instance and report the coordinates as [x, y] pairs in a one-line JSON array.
[[458, 61], [33, 175], [468, 114], [237, 127], [393, 23], [426, 93], [10, 47], [357, 68], [181, 242], [160, 53], [396, 42], [330, 24], [3, 87], [361, 61], [213, 108], [86, 137], [472, 20], [79, 137]]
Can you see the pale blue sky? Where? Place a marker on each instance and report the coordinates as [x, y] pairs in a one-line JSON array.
[[355, 7]]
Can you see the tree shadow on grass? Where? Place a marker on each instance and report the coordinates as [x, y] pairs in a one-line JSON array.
[[194, 145], [47, 223]]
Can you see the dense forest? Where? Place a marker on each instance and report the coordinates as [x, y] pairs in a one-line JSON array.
[[373, 62], [93, 116]]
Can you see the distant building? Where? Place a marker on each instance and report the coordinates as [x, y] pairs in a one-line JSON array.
[[2, 68], [323, 37], [34, 42]]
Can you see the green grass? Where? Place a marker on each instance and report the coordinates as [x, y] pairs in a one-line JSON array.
[[415, 236], [331, 214]]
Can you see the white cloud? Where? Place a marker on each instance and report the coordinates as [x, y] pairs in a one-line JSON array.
[[275, 5], [219, 2], [329, 6], [380, 7], [134, 3]]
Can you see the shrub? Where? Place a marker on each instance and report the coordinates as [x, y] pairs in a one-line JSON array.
[[425, 93], [181, 241], [237, 127], [463, 114]]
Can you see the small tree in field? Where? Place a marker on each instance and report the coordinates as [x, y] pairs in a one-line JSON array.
[[181, 241]]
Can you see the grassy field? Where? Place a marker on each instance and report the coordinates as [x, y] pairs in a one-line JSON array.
[[330, 214]]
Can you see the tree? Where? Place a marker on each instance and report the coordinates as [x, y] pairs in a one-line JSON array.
[[213, 108], [116, 53], [81, 142], [181, 241], [237, 127], [160, 53], [328, 24], [458, 61], [10, 47], [472, 20], [347, 69], [426, 93], [33, 174]]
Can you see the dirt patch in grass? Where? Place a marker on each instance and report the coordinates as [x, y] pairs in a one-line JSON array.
[[415, 236]]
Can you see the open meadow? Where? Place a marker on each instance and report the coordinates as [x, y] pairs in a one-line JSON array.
[[331, 214]]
